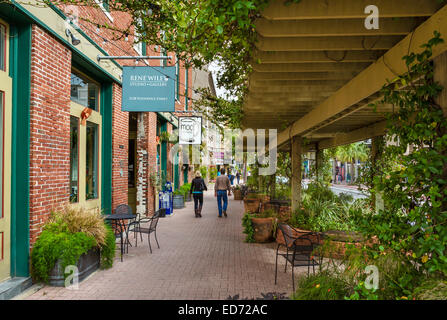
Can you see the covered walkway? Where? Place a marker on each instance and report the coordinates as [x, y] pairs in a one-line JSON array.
[[199, 259]]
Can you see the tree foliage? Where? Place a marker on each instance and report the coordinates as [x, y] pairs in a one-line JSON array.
[[199, 32], [413, 184]]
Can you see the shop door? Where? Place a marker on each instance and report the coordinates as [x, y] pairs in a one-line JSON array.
[[5, 154]]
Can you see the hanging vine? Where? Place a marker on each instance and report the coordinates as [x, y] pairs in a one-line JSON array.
[[413, 184]]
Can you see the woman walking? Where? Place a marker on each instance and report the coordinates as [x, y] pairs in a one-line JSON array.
[[197, 187]]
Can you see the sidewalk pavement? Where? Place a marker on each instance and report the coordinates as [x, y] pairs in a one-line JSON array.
[[199, 258]]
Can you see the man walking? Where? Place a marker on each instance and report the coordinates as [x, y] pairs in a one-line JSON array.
[[220, 191]]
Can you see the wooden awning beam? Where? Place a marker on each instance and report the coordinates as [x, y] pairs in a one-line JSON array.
[[372, 79], [349, 9]]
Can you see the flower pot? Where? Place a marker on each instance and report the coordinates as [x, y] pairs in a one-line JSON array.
[[237, 194], [178, 201], [87, 264], [188, 197], [252, 205], [263, 229]]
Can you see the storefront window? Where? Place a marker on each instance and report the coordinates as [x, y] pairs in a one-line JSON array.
[[74, 159], [2, 47], [92, 161], [84, 91]]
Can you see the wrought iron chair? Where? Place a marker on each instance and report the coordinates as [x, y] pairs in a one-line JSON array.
[[126, 209], [301, 250], [153, 222]]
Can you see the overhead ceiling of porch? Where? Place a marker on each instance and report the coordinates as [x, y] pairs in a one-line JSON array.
[[309, 51]]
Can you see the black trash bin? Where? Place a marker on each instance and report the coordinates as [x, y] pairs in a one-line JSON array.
[[162, 212]]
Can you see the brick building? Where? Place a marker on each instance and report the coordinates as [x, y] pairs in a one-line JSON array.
[[65, 137]]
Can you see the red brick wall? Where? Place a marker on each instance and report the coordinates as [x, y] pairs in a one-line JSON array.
[[151, 158], [50, 128], [146, 144], [120, 148]]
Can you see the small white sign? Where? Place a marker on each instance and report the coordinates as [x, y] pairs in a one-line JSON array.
[[190, 130]]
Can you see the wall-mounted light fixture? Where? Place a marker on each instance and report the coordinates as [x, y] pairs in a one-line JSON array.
[[75, 41]]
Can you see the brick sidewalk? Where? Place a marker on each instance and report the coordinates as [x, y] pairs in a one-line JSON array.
[[199, 259]]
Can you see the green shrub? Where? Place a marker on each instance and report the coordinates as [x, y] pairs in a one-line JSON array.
[[51, 246], [108, 250], [68, 234], [431, 289], [321, 286], [248, 228]]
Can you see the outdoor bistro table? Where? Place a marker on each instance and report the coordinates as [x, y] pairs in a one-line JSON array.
[[119, 220]]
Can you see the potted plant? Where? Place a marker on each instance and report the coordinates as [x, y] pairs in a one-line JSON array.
[[252, 203], [237, 192], [185, 190], [178, 199], [72, 236], [261, 227]]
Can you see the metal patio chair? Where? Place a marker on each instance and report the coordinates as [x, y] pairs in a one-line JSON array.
[[301, 250], [152, 228], [126, 209]]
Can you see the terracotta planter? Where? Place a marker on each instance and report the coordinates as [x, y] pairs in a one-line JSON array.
[[237, 194], [252, 205], [263, 229]]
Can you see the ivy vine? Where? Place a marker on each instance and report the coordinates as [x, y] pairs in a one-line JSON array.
[[411, 172]]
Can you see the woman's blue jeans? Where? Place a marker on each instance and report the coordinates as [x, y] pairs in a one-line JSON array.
[[222, 196]]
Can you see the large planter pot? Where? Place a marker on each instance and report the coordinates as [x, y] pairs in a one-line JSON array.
[[178, 201], [237, 194], [252, 205], [188, 197], [87, 264], [263, 229]]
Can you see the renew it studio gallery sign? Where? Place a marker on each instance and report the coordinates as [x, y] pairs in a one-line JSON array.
[[148, 89]]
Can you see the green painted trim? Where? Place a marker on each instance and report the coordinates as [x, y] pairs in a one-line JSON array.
[[185, 176], [177, 81], [106, 150], [164, 152], [64, 41], [186, 88], [20, 68], [176, 173], [62, 15]]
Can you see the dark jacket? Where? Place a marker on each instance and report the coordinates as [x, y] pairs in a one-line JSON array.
[[197, 184]]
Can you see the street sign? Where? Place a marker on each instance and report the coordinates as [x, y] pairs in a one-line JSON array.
[[148, 89], [190, 130]]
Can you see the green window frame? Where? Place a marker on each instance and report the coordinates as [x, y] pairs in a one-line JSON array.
[[186, 88]]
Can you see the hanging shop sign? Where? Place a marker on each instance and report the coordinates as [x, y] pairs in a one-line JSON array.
[[148, 89], [190, 130]]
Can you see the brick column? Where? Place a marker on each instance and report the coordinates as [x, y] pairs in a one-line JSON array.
[[49, 128], [120, 150]]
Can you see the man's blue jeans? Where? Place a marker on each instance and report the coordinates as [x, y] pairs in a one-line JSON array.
[[222, 195]]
